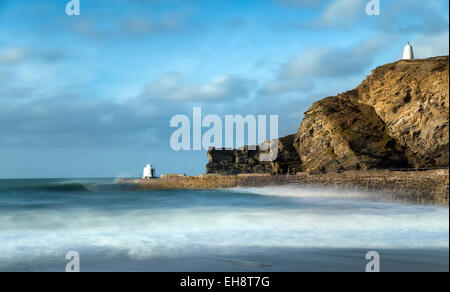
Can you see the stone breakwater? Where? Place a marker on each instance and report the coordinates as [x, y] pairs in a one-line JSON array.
[[427, 187]]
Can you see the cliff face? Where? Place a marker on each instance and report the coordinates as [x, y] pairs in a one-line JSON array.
[[227, 162], [339, 133], [397, 117], [412, 98]]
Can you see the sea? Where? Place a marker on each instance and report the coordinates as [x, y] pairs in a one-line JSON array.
[[112, 227]]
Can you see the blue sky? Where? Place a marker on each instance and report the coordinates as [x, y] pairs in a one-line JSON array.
[[93, 95]]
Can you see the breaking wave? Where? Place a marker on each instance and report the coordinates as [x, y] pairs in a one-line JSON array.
[[298, 191], [61, 186], [224, 225]]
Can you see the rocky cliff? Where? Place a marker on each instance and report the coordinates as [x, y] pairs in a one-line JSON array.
[[228, 162], [397, 118], [412, 98]]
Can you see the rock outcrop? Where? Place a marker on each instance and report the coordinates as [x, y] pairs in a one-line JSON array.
[[234, 161], [339, 133], [412, 98], [397, 118]]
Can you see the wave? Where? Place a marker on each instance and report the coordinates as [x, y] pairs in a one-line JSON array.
[[61, 186], [224, 226], [145, 233], [299, 191]]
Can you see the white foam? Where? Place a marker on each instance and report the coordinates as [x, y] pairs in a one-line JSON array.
[[172, 232], [298, 191]]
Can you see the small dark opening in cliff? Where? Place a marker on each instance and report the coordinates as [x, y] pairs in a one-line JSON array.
[[390, 144], [407, 98], [357, 146]]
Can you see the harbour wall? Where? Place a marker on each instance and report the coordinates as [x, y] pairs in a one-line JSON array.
[[424, 187]]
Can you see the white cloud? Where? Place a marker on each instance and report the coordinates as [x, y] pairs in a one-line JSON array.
[[341, 13], [173, 87], [431, 45], [11, 56], [282, 86], [300, 2], [401, 16], [297, 73], [412, 16], [333, 62], [166, 23]]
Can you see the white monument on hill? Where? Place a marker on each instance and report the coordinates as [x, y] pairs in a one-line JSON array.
[[149, 172], [408, 53]]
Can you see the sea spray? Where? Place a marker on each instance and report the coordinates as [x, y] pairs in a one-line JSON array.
[[188, 230]]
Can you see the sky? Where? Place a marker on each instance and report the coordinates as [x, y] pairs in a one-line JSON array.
[[93, 95]]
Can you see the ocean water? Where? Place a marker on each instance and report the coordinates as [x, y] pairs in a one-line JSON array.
[[291, 228]]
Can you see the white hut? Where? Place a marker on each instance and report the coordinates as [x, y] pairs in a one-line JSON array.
[[408, 53], [149, 172]]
